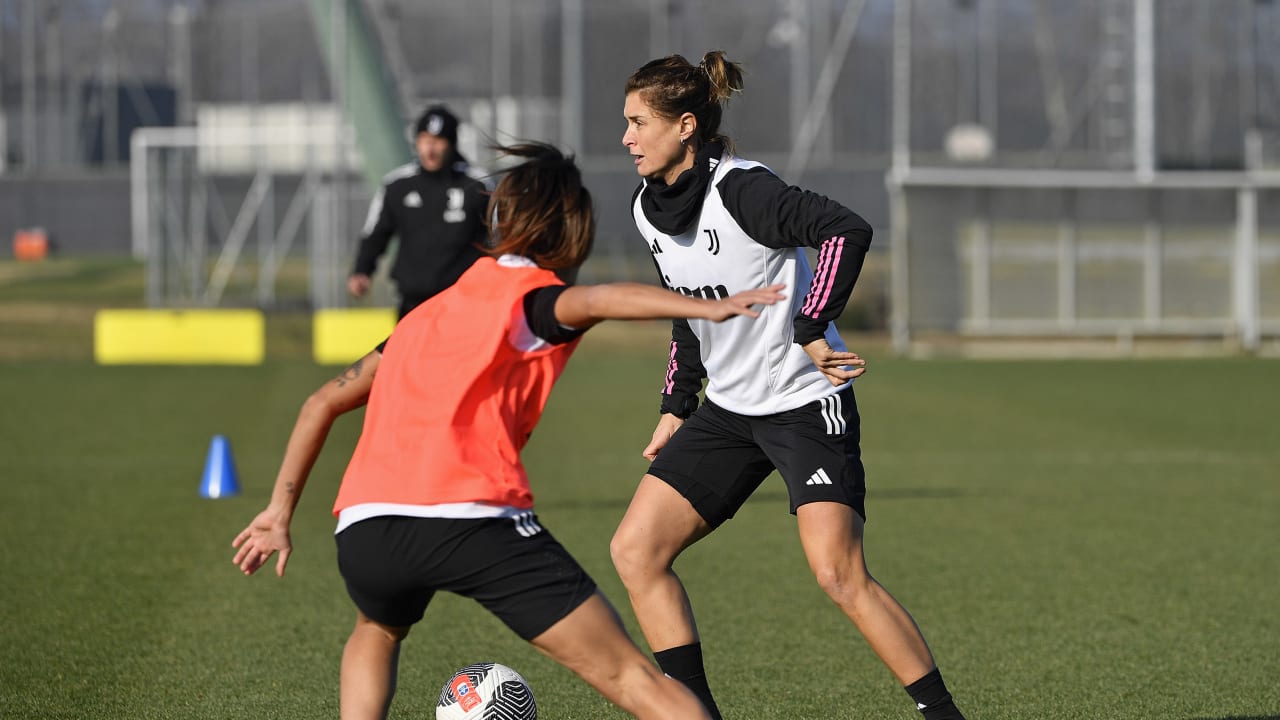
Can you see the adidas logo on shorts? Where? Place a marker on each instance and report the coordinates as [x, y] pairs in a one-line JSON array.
[[527, 524], [818, 478]]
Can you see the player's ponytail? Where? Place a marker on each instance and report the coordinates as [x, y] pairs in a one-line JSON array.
[[672, 86], [725, 76], [540, 209]]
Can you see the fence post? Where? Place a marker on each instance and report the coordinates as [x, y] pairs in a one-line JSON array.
[[1244, 276]]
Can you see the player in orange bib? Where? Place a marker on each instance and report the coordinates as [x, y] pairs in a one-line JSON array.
[[459, 387]]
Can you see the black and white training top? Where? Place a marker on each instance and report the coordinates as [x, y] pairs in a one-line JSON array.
[[729, 225], [439, 218]]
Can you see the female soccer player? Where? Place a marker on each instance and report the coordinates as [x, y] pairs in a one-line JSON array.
[[779, 390], [460, 385]]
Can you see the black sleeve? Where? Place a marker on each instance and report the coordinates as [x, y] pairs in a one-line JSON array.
[[540, 314], [378, 229], [779, 216], [685, 372]]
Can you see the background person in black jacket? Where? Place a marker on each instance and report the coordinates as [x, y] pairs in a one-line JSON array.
[[435, 208]]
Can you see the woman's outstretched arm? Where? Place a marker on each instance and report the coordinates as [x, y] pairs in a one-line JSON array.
[[585, 305]]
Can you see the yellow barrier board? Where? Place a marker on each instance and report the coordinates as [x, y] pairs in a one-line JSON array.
[[341, 336], [179, 337]]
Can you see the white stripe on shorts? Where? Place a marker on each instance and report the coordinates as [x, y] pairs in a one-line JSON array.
[[527, 525], [832, 415]]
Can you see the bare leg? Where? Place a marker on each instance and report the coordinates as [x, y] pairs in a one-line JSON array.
[[369, 664], [659, 524], [831, 535], [592, 642]]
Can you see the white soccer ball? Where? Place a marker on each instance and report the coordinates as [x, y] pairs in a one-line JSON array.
[[486, 691]]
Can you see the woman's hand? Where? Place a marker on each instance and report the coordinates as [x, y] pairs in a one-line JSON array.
[[833, 364], [266, 535], [740, 303], [667, 427]]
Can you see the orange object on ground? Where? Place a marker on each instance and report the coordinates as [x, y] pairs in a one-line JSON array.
[[30, 245]]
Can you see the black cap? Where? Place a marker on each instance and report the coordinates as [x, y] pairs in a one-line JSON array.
[[437, 120]]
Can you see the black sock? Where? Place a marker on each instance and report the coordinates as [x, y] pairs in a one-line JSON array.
[[684, 663], [932, 698]]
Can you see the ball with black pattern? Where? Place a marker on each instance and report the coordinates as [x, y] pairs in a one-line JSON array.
[[486, 691]]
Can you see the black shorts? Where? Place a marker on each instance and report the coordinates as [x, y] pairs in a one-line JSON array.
[[718, 458], [394, 565]]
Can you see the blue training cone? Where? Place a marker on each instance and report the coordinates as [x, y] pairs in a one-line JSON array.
[[219, 471]]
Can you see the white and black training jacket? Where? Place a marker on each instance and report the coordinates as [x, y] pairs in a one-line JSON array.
[[729, 225]]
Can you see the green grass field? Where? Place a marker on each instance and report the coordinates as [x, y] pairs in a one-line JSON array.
[[1078, 539]]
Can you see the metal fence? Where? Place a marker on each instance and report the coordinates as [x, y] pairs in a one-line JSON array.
[[926, 116], [1146, 212]]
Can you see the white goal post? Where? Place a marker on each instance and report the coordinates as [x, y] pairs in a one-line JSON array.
[[245, 215]]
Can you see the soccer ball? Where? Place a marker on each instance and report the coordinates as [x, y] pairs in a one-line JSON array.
[[486, 691]]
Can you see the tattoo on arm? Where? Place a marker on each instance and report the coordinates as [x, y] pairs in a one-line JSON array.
[[288, 488], [350, 374]]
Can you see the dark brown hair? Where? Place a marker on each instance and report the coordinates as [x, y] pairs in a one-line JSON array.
[[672, 86], [541, 209]]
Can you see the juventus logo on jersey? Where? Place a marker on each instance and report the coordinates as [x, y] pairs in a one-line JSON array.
[[453, 212], [713, 241]]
